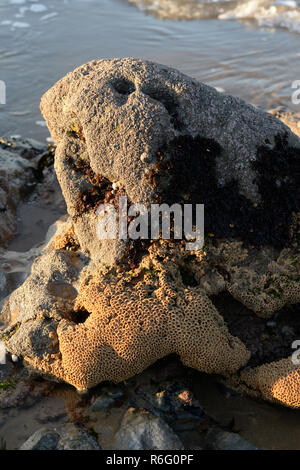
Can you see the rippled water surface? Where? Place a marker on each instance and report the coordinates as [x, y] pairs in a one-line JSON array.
[[42, 41]]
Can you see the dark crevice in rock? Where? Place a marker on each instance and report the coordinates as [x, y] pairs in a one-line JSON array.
[[124, 87], [134, 252], [169, 102], [186, 173], [79, 316], [268, 340], [100, 192], [77, 132], [187, 276]]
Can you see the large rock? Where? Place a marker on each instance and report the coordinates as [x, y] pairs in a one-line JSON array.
[[94, 311], [144, 130]]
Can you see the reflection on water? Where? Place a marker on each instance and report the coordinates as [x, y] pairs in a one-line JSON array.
[[41, 42]]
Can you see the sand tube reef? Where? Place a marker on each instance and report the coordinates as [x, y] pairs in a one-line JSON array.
[[103, 310]]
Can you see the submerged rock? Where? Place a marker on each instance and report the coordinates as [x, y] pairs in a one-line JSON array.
[[96, 310]]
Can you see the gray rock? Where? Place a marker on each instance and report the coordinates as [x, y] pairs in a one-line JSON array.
[[115, 123], [141, 430], [43, 439], [5, 369], [172, 398], [26, 148], [73, 438], [118, 117], [223, 440], [66, 437]]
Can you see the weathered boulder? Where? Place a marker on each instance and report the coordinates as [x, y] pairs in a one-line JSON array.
[[135, 128], [95, 310]]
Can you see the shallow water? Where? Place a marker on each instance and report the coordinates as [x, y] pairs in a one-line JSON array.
[[270, 13], [42, 41]]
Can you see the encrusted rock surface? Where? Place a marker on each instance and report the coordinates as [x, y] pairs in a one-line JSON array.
[[96, 310], [158, 135], [65, 437]]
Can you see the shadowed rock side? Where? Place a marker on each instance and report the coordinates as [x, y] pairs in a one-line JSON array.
[[95, 310]]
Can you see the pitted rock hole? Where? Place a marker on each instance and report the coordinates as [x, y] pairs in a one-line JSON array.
[[169, 101], [100, 191], [123, 86], [187, 276], [79, 316]]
